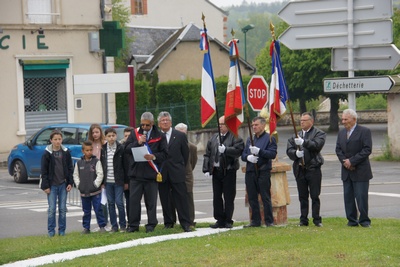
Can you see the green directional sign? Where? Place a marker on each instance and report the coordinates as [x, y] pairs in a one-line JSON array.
[[112, 38]]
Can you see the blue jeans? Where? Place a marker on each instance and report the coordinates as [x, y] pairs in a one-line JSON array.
[[57, 192], [87, 203], [115, 196]]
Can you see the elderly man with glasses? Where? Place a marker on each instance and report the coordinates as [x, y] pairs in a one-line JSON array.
[[143, 172]]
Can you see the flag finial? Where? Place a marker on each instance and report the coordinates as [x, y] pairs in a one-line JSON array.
[[272, 29], [233, 33]]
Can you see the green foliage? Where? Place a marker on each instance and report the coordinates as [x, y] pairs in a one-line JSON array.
[[121, 13], [288, 245], [180, 98], [371, 101]]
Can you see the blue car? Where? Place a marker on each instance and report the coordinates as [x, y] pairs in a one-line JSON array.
[[25, 159]]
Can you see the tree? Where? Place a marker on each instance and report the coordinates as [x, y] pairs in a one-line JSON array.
[[121, 14]]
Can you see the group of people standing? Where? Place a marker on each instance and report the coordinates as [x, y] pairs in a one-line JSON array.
[[166, 169]]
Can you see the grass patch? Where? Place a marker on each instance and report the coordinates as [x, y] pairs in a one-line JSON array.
[[387, 154], [335, 244]]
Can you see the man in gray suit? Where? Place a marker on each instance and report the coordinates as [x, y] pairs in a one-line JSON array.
[[172, 189], [353, 147], [190, 165]]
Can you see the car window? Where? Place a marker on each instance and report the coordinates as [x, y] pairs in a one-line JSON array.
[[82, 135], [69, 136], [44, 137]]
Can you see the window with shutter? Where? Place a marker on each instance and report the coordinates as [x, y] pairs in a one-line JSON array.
[[39, 11]]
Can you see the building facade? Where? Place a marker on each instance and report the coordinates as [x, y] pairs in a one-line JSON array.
[[43, 44], [178, 13]]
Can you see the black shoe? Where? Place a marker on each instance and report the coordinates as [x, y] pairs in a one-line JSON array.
[[187, 229], [217, 225], [168, 226], [367, 225], [132, 229], [228, 225], [319, 225], [352, 224], [303, 224], [149, 229], [269, 225], [252, 225]]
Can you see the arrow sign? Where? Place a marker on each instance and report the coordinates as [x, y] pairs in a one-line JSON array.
[[385, 57], [336, 35], [358, 84], [334, 11]]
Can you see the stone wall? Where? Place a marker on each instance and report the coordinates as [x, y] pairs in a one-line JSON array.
[[323, 118]]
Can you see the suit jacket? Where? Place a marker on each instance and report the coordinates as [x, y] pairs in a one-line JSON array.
[[357, 149], [190, 165], [142, 171], [312, 147], [174, 167]]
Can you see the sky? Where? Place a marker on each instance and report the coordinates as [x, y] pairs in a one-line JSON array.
[[221, 3]]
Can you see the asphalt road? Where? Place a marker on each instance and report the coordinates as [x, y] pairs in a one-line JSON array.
[[23, 207]]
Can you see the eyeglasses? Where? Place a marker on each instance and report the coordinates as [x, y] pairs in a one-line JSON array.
[[147, 125], [165, 120]]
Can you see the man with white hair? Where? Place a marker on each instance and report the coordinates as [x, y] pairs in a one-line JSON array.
[[190, 165], [353, 147]]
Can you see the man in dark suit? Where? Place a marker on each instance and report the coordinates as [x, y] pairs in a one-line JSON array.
[[190, 165], [143, 174], [304, 149], [173, 172], [353, 147], [221, 161]]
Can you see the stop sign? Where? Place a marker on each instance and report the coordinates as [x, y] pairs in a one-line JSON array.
[[257, 92]]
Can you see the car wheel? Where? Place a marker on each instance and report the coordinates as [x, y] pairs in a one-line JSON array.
[[19, 172]]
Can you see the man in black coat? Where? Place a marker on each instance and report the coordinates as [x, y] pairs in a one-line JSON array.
[[353, 147], [305, 150], [142, 173], [172, 189], [221, 161]]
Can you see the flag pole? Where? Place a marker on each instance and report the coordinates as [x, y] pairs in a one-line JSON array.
[[245, 104], [203, 18], [272, 29]]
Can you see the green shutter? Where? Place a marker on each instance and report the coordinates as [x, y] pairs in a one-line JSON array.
[[45, 64]]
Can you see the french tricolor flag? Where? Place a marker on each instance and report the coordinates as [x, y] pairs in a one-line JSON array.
[[208, 106], [278, 91], [235, 94]]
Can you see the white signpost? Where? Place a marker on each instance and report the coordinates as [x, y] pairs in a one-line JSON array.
[[338, 23], [358, 84], [333, 11], [385, 57], [336, 35]]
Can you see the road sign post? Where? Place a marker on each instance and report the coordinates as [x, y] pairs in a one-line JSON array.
[[358, 84], [257, 92], [338, 23]]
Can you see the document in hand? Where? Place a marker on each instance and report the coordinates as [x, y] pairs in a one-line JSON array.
[[139, 152]]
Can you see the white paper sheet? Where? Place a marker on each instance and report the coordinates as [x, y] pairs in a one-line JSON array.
[[103, 197], [139, 152]]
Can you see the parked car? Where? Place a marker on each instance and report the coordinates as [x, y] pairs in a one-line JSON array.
[[24, 159]]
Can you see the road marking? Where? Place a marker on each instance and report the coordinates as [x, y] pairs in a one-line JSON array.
[[384, 194]]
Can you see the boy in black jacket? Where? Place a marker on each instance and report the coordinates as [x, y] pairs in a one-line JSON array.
[[56, 181], [88, 178], [113, 168]]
